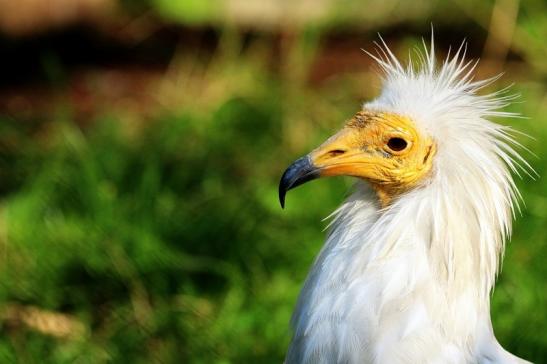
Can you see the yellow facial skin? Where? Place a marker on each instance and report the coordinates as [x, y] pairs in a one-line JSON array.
[[382, 148]]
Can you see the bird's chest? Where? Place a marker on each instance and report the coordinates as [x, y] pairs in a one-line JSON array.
[[391, 310]]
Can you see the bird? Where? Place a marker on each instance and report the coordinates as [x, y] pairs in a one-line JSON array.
[[412, 255]]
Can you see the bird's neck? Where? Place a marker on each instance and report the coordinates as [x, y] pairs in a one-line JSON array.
[[417, 268], [460, 239]]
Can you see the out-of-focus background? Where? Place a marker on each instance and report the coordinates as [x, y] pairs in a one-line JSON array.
[[141, 143]]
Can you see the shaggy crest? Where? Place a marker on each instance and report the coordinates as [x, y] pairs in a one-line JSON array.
[[475, 155]]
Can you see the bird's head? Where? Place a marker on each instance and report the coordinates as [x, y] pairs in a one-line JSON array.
[[384, 148], [429, 126]]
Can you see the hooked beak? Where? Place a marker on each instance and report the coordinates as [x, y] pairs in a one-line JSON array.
[[301, 171], [339, 155]]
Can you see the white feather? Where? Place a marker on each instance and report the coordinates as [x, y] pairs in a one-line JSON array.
[[411, 283]]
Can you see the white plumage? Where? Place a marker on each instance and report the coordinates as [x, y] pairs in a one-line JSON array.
[[410, 282]]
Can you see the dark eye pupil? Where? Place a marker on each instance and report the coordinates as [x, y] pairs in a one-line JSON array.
[[396, 144]]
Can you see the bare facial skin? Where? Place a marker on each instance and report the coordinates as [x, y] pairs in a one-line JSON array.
[[383, 148]]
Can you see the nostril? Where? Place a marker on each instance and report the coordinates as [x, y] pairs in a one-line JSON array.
[[336, 152]]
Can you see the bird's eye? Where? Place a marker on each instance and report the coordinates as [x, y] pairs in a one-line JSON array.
[[397, 144]]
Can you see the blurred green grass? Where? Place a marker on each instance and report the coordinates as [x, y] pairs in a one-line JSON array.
[[165, 241]]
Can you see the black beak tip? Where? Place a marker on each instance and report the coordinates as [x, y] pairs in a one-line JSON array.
[[301, 171], [285, 184], [282, 197]]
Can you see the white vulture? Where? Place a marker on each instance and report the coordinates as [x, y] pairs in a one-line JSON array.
[[407, 270]]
